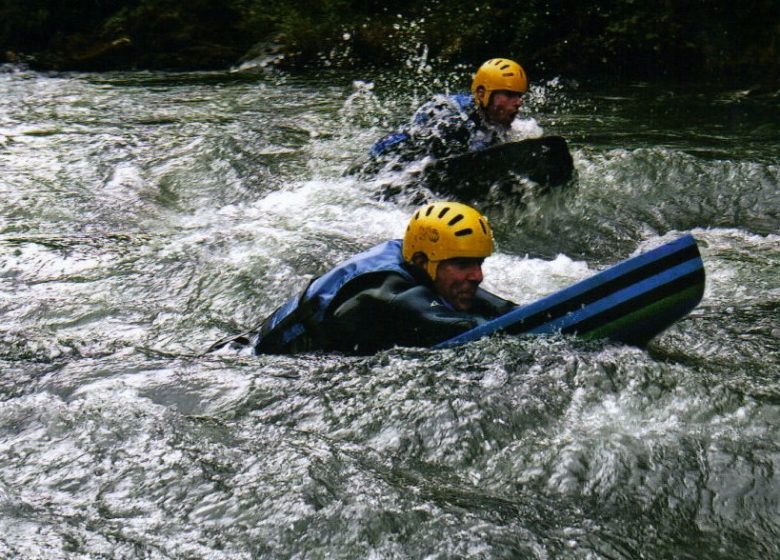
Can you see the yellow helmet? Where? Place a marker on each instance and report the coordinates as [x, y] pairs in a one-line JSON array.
[[499, 74], [447, 230]]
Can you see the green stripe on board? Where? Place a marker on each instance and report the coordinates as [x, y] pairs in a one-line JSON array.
[[692, 293]]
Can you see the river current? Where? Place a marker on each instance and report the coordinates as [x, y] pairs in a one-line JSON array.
[[146, 215]]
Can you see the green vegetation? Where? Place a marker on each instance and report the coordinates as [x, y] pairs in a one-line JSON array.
[[696, 39]]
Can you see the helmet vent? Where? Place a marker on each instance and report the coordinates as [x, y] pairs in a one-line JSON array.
[[429, 210], [462, 232], [505, 66], [455, 220], [482, 225], [508, 74], [444, 211]]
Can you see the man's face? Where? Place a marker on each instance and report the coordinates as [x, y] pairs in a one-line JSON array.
[[457, 281], [503, 107]]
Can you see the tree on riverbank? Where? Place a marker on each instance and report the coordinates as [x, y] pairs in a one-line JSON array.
[[700, 39]]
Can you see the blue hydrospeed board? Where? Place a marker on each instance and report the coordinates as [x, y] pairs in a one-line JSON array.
[[630, 302]]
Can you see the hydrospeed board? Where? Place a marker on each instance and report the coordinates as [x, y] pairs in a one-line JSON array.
[[545, 160], [630, 302]]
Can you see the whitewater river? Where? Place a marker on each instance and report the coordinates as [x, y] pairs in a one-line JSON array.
[[145, 216]]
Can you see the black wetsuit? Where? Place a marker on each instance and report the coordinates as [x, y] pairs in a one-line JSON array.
[[367, 303], [445, 125], [382, 310]]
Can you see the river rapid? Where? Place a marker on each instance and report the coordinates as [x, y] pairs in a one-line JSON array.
[[146, 215]]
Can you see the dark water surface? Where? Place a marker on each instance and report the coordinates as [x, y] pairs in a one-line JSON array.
[[145, 216]]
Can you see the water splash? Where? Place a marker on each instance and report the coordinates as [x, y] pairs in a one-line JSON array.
[[150, 214]]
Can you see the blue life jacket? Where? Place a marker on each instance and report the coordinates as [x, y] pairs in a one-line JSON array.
[[306, 312], [464, 102]]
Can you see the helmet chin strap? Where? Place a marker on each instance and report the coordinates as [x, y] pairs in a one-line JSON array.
[[431, 267]]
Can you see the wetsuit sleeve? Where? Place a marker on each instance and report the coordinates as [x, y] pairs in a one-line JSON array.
[[397, 312], [490, 306]]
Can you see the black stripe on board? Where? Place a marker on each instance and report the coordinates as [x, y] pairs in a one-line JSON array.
[[637, 303], [602, 290]]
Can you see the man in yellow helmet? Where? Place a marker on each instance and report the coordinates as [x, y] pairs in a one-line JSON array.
[[461, 123], [418, 291]]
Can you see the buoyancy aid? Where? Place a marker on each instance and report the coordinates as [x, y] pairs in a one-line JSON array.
[[304, 313]]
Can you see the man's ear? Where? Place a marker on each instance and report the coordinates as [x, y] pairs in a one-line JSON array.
[[420, 259], [481, 96]]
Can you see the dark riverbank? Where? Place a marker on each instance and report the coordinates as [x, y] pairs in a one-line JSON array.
[[719, 40]]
